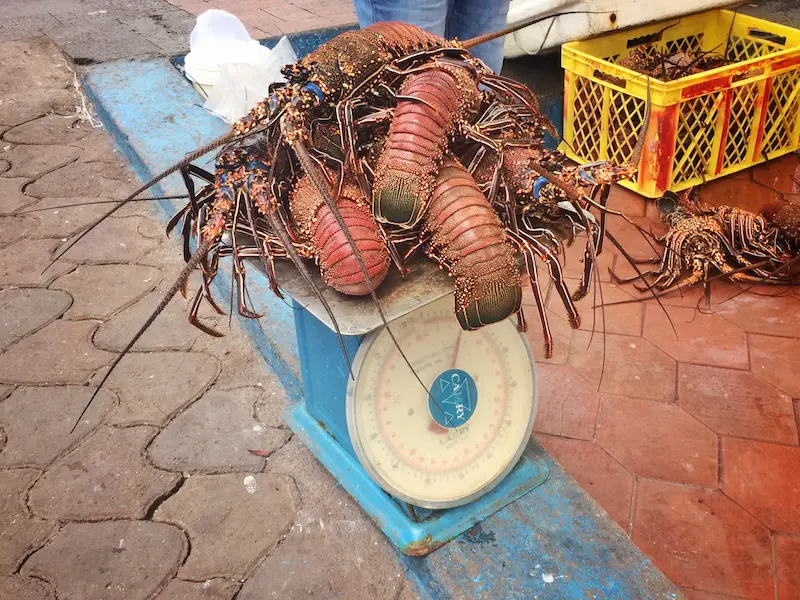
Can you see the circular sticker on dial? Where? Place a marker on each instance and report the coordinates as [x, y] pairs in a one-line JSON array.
[[454, 398]]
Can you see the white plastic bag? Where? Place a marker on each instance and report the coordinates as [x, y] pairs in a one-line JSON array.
[[232, 70]]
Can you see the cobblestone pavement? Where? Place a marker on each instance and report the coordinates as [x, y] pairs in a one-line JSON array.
[[155, 493]]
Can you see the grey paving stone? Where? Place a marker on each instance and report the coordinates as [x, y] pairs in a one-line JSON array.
[[4, 164], [63, 217], [211, 589], [168, 30], [154, 386], [214, 435], [15, 587], [111, 242], [3, 439], [47, 130], [13, 229], [35, 161], [109, 561], [26, 310], [271, 405], [100, 291], [24, 263], [34, 80], [242, 365], [333, 549], [170, 331], [20, 28], [5, 391], [11, 197], [232, 521], [97, 179], [106, 477], [38, 420], [325, 563], [20, 532], [98, 146], [59, 354], [98, 38]]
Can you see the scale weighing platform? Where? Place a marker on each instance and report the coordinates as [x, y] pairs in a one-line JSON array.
[[426, 458]]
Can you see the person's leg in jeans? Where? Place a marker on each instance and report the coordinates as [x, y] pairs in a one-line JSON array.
[[471, 18], [430, 15]]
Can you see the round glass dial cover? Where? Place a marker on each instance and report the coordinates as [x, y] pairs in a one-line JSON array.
[[454, 445]]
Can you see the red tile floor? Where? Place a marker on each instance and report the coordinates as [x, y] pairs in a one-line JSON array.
[[689, 442]]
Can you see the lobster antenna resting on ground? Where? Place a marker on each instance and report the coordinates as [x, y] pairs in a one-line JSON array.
[[194, 261]]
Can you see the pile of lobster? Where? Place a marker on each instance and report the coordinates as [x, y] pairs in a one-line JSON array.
[[737, 244], [382, 142]]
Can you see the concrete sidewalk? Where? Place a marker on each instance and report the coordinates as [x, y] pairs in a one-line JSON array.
[[155, 493]]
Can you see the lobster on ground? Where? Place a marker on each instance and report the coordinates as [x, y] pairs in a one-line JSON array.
[[740, 245], [277, 195]]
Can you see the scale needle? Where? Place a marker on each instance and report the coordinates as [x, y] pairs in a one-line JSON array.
[[458, 346]]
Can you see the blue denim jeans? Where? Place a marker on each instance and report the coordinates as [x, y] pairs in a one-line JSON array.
[[460, 19]]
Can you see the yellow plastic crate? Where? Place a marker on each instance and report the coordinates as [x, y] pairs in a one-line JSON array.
[[702, 126]]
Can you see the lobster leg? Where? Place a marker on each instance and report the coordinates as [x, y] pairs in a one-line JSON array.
[[530, 264], [194, 319], [557, 276], [589, 261]]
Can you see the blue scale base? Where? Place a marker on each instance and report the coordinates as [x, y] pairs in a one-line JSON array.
[[431, 529], [320, 421]]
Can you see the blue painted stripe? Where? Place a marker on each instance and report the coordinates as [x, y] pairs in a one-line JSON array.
[[156, 118]]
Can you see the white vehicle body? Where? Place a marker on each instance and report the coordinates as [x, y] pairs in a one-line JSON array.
[[610, 15]]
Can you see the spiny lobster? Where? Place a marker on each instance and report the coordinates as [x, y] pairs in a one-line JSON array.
[[248, 196], [740, 245]]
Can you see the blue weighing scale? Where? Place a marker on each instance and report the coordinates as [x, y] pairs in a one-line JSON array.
[[425, 468]]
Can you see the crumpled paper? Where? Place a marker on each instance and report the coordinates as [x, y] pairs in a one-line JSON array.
[[232, 70]]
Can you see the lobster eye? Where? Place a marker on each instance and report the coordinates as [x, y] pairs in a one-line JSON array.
[[313, 88], [668, 203]]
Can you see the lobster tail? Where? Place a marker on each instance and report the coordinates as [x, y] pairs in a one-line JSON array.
[[467, 235], [494, 301], [432, 102], [338, 263]]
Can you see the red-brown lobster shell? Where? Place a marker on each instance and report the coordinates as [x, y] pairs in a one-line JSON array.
[[424, 120], [338, 263], [467, 236]]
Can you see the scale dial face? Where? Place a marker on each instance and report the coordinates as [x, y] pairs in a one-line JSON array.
[[451, 447]]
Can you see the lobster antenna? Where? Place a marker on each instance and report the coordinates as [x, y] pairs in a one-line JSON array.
[[636, 268], [177, 166], [198, 256], [58, 206], [488, 37], [277, 225]]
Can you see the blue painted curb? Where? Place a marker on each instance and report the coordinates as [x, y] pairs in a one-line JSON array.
[[554, 542]]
